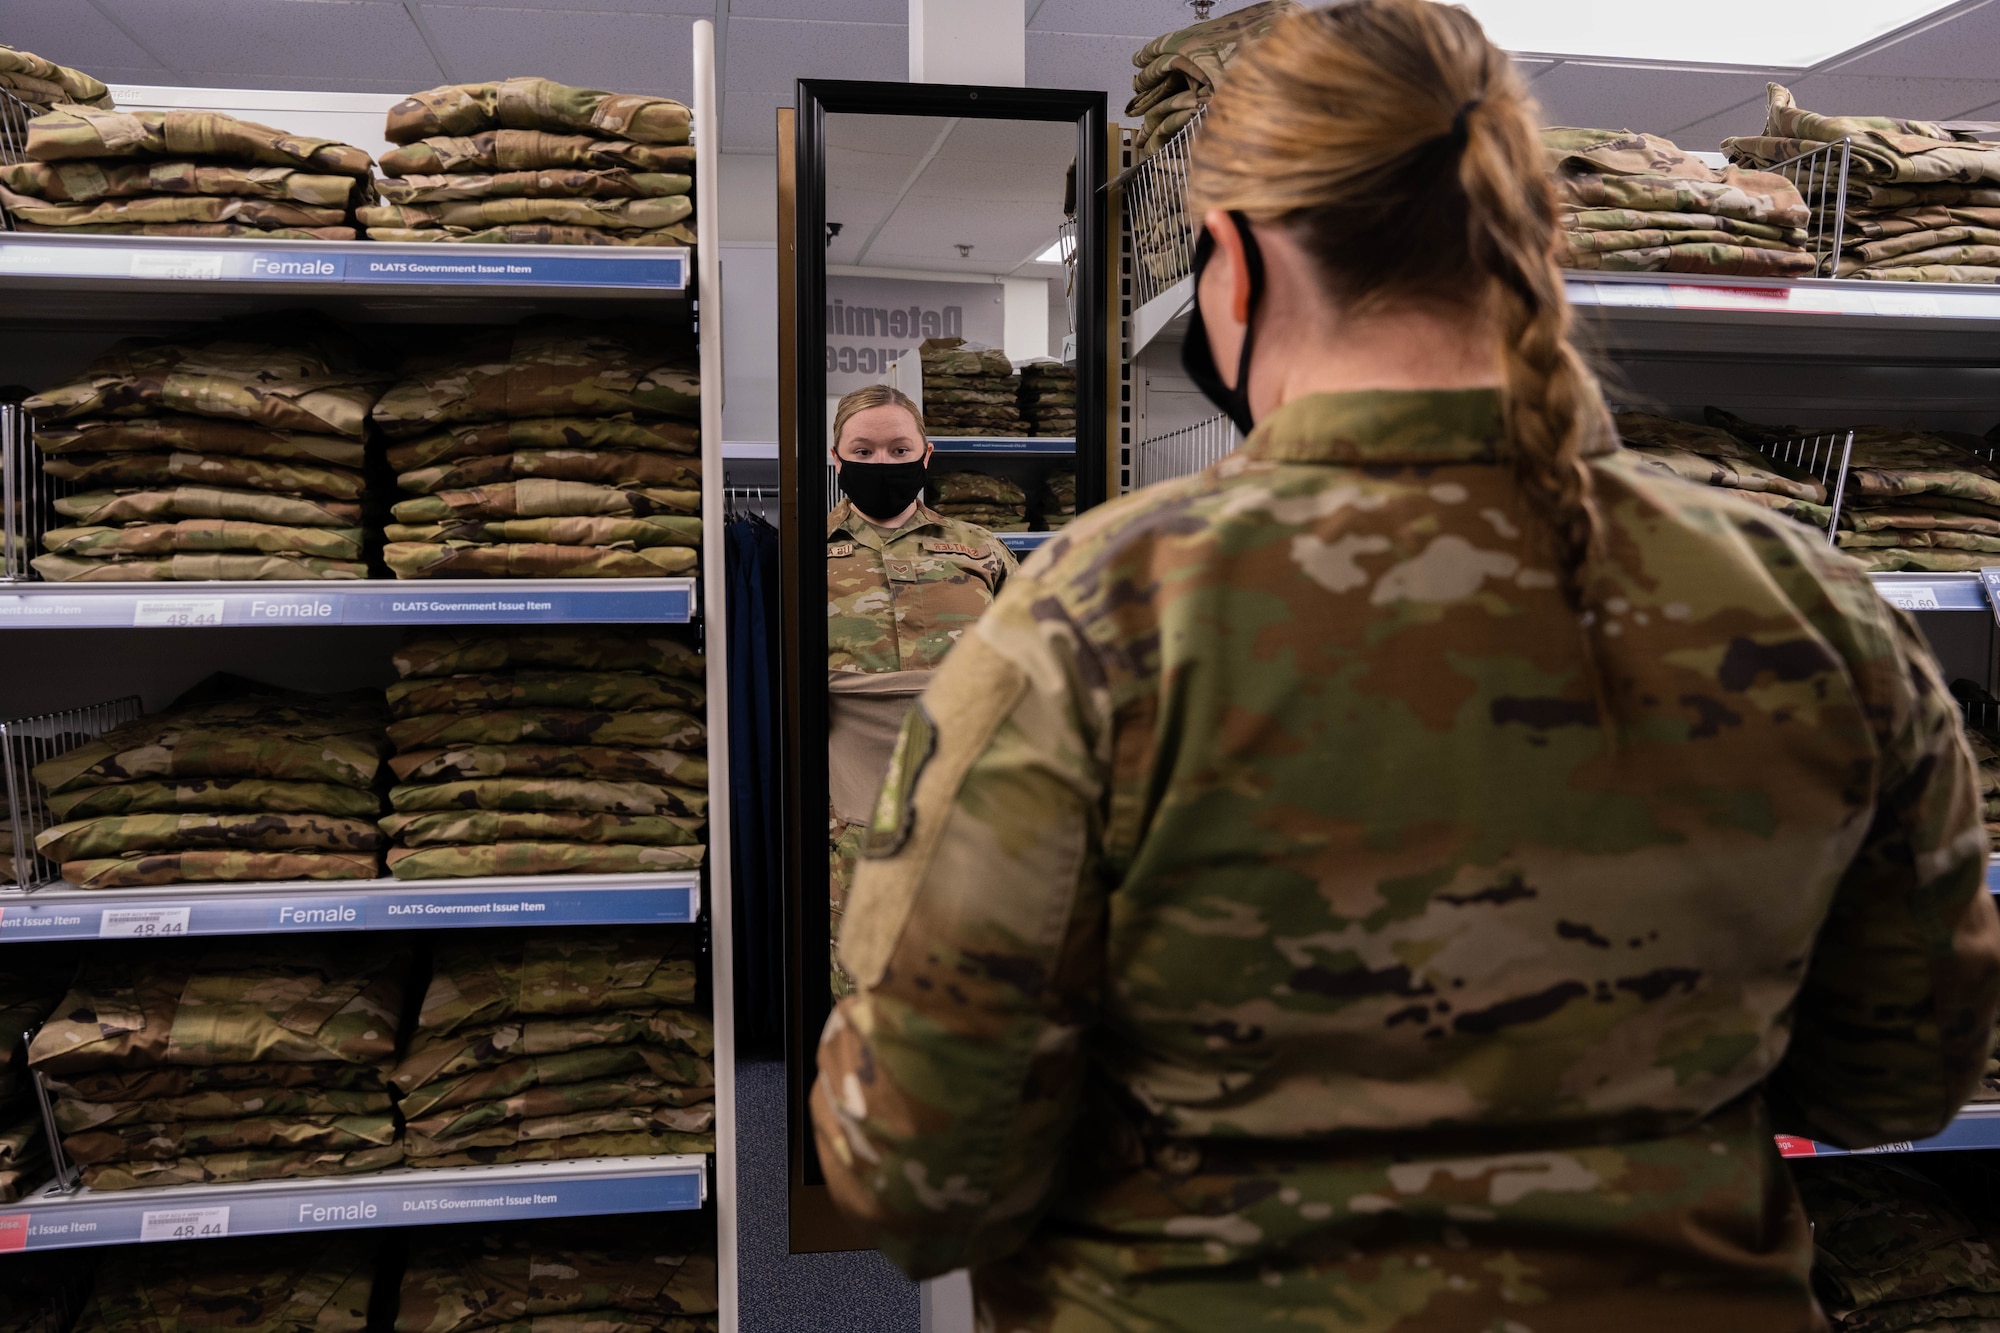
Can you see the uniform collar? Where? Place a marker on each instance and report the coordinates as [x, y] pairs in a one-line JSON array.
[[845, 518], [1383, 426]]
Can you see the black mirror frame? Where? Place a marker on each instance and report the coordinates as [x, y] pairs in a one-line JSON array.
[[802, 483]]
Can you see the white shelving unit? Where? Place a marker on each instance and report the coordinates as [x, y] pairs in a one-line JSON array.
[[62, 299]]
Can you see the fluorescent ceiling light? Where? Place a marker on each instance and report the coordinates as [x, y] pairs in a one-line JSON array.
[[1722, 32], [1056, 253]]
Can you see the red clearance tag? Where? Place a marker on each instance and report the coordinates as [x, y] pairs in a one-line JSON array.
[[13, 1232], [1790, 1146]]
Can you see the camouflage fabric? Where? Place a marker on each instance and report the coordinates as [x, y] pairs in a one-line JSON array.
[[284, 1284], [672, 1128], [107, 507], [545, 368], [540, 858], [222, 1005], [1952, 541], [1570, 150], [545, 1103], [1932, 273], [1736, 260], [1713, 457], [656, 729], [1753, 196], [198, 435], [510, 151], [344, 749], [677, 767], [1222, 1019], [568, 972], [956, 356], [1003, 393], [1923, 560], [86, 182], [1874, 519], [204, 534], [962, 487], [507, 1044], [218, 1104], [483, 439], [1678, 227], [128, 1086], [606, 690], [1880, 148], [543, 497], [1953, 1312], [1882, 1233], [546, 794], [553, 184], [625, 467], [204, 1138], [1692, 468], [1943, 256], [461, 1283], [450, 828], [22, 71], [148, 470], [600, 648], [1059, 493], [259, 213], [1178, 72], [73, 132], [591, 1321], [1915, 245], [637, 1143], [195, 568], [117, 835], [306, 386], [479, 214], [681, 233], [208, 230], [233, 1167], [662, 532], [537, 104], [1891, 462], [843, 851], [663, 1076], [898, 601]]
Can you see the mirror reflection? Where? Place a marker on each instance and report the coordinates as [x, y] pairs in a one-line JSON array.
[[951, 403]]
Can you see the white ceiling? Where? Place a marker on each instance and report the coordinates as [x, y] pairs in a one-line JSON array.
[[1942, 67]]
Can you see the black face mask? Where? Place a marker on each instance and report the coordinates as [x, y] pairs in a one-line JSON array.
[[882, 490], [1198, 359]]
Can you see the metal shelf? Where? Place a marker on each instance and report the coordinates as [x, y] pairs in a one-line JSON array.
[[60, 912], [1977, 1127], [47, 1220], [1163, 317], [360, 602], [1934, 592]]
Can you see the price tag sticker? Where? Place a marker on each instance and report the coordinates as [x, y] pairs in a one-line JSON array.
[[1902, 303], [180, 265], [144, 923], [177, 612], [1634, 294], [1912, 596], [183, 1224], [1904, 1146]]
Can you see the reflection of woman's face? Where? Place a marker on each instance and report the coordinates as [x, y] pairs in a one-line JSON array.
[[885, 434]]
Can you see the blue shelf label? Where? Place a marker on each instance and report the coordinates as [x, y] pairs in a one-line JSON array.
[[976, 444], [667, 271], [404, 1198], [199, 606], [342, 264], [24, 918]]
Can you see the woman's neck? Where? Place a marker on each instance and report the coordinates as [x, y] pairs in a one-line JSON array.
[[1408, 348]]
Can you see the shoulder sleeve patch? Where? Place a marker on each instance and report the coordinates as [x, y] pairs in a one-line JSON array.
[[836, 550], [895, 810]]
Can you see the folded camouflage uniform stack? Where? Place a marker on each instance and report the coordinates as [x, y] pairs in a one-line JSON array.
[[532, 162], [557, 449], [1913, 501], [236, 782], [1982, 732], [993, 503], [618, 1275], [27, 995], [534, 753], [182, 1065], [1636, 203], [42, 84], [1923, 202], [1048, 398], [545, 1047], [1894, 1253], [1178, 72], [306, 1283], [1712, 456], [235, 455], [182, 173], [1058, 500], [969, 389]]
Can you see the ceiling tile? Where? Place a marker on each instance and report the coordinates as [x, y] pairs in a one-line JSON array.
[[1069, 60], [632, 53], [840, 11], [268, 40], [771, 55], [76, 35], [1001, 234], [1652, 101], [750, 120], [1959, 47], [704, 9], [1014, 142], [898, 136], [977, 183], [868, 173], [1143, 19]]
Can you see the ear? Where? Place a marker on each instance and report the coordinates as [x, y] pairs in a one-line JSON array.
[[929, 449], [1230, 258]]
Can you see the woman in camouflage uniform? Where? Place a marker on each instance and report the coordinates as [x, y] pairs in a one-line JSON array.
[[1399, 878], [902, 584]]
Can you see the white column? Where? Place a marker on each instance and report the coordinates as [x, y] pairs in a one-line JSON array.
[[1027, 317], [969, 41]]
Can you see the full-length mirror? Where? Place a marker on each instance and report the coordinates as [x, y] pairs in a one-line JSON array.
[[947, 418]]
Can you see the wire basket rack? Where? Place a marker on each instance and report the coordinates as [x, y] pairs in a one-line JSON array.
[[1821, 178], [14, 117], [27, 496], [26, 742], [1824, 457], [1161, 229], [1183, 452]]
